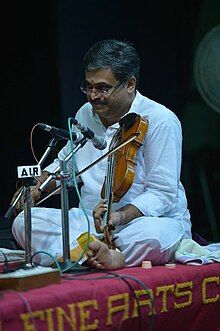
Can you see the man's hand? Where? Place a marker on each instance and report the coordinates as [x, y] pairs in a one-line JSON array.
[[120, 217], [98, 213], [34, 192], [35, 196]]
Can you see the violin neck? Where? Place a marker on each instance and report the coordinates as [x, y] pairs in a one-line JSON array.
[[108, 188], [110, 176]]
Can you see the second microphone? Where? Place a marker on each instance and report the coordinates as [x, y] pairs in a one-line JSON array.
[[98, 142]]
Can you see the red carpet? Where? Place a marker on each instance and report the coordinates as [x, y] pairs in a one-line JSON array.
[[184, 298]]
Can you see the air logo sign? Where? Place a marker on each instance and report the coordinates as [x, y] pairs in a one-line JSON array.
[[29, 171]]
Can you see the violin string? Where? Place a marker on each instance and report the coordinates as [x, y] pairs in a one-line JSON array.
[[108, 186]]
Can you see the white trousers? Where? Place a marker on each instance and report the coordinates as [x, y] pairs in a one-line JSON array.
[[144, 238]]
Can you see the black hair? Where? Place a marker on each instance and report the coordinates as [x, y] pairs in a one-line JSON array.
[[120, 56]]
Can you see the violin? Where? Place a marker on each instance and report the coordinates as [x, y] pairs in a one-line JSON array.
[[121, 166]]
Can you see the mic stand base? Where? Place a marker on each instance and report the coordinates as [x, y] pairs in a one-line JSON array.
[[72, 267], [27, 266]]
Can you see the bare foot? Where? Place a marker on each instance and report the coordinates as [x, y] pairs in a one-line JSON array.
[[101, 257]]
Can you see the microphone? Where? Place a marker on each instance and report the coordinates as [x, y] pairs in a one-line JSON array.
[[60, 133], [98, 142]]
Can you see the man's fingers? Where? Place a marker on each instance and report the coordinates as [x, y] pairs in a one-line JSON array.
[[98, 225], [98, 213], [99, 206]]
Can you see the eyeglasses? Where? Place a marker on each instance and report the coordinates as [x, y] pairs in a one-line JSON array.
[[103, 89]]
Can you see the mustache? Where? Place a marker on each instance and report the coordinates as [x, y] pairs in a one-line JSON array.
[[98, 102]]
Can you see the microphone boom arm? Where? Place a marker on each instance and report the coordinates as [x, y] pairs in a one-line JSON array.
[[113, 150]]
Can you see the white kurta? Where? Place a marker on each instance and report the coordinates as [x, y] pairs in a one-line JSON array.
[[156, 191]]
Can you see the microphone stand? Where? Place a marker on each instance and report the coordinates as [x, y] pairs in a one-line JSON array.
[[26, 192], [66, 264], [27, 224], [64, 175], [52, 143]]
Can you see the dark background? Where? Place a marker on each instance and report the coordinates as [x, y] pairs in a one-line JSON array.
[[43, 44]]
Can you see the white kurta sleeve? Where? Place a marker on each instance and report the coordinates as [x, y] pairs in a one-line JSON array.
[[162, 152]]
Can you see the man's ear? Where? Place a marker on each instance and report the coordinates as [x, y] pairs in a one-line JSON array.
[[131, 84]]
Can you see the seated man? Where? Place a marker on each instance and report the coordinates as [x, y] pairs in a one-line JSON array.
[[152, 217]]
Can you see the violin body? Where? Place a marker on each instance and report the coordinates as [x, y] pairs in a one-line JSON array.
[[125, 159]]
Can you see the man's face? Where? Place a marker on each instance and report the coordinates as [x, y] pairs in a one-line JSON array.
[[110, 98]]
